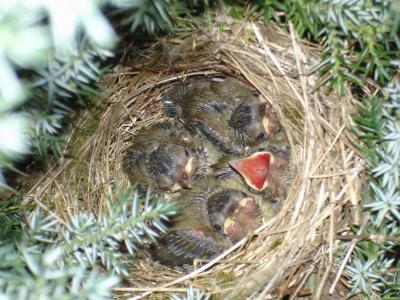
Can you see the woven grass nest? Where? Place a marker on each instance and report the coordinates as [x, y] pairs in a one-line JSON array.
[[301, 240]]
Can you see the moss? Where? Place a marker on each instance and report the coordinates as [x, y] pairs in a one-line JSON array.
[[240, 294], [276, 244], [225, 277], [293, 115], [82, 134], [217, 297], [74, 150]]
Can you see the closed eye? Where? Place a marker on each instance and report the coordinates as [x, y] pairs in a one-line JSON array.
[[218, 227], [260, 136]]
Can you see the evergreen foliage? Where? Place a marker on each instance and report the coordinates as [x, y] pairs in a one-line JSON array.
[[34, 272], [153, 15], [374, 267], [47, 70], [66, 80], [34, 39], [10, 219], [57, 260], [68, 43], [192, 294], [360, 37]]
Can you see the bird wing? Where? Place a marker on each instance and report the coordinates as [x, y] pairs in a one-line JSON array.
[[192, 243]]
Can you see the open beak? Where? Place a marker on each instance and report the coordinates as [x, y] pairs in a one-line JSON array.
[[254, 169]]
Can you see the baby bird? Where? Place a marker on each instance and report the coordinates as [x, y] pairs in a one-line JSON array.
[[182, 246], [232, 211], [224, 111], [166, 157], [266, 172], [208, 222], [160, 159], [264, 169], [244, 219], [190, 236]]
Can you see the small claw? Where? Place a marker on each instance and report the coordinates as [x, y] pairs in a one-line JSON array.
[[175, 187]]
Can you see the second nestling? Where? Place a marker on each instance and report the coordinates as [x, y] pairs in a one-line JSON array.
[[167, 158], [266, 172], [224, 111], [210, 220]]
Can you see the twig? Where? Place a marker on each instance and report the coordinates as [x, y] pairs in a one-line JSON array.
[[342, 266]]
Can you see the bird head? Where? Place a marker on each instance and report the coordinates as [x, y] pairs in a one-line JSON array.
[[269, 119], [242, 219], [232, 212], [184, 175], [173, 166], [264, 169], [254, 122]]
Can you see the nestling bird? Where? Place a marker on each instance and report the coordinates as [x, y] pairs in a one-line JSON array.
[[210, 219], [190, 236], [233, 212], [222, 207], [229, 210], [267, 169], [166, 157], [265, 175], [244, 219], [182, 246], [224, 111]]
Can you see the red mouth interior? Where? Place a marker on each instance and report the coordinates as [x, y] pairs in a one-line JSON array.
[[254, 168]]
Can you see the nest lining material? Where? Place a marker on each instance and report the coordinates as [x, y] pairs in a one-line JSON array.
[[301, 239]]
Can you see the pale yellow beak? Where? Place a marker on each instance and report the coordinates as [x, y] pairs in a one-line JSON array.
[[244, 201], [175, 187], [266, 123], [189, 166], [227, 224]]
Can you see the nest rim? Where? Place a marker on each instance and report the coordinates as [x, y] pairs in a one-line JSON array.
[[316, 128]]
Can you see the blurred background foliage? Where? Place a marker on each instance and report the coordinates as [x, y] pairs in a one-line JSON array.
[[51, 56], [52, 53], [53, 259]]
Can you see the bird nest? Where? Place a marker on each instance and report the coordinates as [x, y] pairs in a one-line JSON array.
[[301, 240]]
